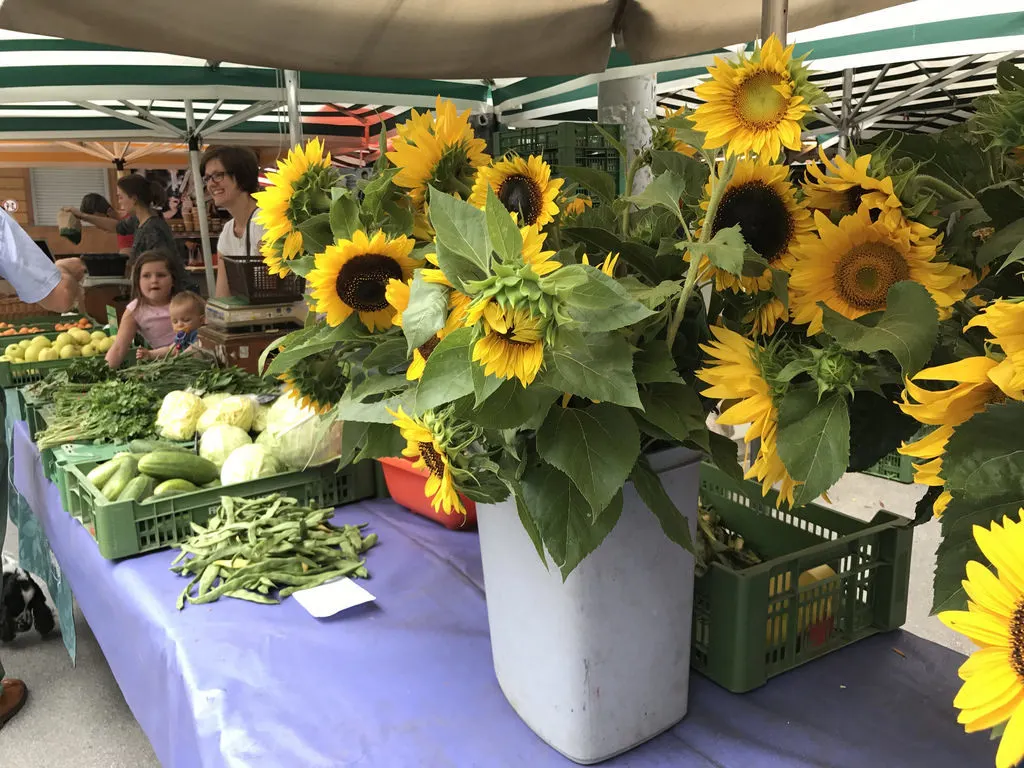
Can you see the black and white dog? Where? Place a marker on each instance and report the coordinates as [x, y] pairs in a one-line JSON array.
[[23, 604]]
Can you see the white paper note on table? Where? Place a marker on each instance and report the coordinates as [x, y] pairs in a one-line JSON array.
[[332, 597]]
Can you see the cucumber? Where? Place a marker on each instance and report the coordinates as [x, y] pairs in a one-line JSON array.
[[149, 446], [168, 465], [101, 473], [213, 484], [172, 487], [137, 488], [126, 470]]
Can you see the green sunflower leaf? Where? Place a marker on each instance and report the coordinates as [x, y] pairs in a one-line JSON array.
[[596, 366], [653, 363], [685, 132], [666, 190], [654, 496], [316, 233], [528, 523], [725, 454], [502, 230], [344, 214], [303, 265], [692, 170], [387, 355], [565, 522], [483, 385], [301, 347], [594, 300], [461, 230], [813, 441], [641, 257], [907, 328], [449, 371], [780, 286], [398, 218], [375, 192], [674, 408], [983, 466], [727, 250], [381, 440], [426, 313], [351, 410], [353, 437], [598, 183], [612, 139], [510, 406], [596, 447]]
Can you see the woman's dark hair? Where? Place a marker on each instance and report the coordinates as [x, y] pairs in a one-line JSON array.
[[147, 192], [153, 257], [95, 204], [240, 163]]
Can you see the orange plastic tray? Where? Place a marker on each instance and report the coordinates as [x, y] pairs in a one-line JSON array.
[[406, 484]]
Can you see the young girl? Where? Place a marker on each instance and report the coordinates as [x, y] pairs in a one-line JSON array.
[[149, 311]]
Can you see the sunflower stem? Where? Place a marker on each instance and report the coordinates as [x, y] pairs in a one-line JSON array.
[[693, 269], [638, 161], [947, 191]]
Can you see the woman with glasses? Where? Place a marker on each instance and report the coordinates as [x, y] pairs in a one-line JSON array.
[[231, 175]]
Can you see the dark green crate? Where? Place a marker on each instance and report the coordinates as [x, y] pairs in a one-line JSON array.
[[565, 144], [893, 466], [57, 459], [22, 374], [753, 624], [126, 528]]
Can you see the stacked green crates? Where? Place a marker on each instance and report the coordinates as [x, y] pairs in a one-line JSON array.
[[565, 144]]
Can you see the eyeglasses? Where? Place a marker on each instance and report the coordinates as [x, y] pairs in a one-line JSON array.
[[217, 176]]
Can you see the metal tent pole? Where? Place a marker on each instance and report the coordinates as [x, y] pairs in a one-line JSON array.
[[291, 85], [194, 142], [774, 19], [846, 120]]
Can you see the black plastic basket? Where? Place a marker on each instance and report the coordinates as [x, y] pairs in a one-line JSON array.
[[249, 277], [105, 264]]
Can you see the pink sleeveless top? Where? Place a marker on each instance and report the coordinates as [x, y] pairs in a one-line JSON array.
[[154, 323]]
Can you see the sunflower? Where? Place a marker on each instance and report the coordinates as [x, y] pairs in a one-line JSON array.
[[352, 276], [397, 295], [428, 451], [1004, 320], [438, 149], [512, 346], [993, 689], [542, 262], [315, 382], [577, 205], [851, 267], [608, 265], [669, 139], [525, 188], [761, 200], [733, 373], [755, 104], [843, 187], [299, 189], [945, 409], [766, 315]]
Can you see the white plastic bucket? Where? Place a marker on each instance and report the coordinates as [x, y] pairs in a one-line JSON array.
[[601, 663]]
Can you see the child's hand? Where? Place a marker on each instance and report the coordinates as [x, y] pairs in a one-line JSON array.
[[143, 354]]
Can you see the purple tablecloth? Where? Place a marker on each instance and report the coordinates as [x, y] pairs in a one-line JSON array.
[[409, 682]]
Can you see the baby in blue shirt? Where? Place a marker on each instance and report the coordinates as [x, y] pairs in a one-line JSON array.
[[188, 314]]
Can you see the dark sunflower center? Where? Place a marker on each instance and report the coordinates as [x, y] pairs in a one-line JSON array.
[[1017, 640], [521, 194], [429, 346], [363, 280], [866, 272], [758, 103], [762, 216], [432, 459]]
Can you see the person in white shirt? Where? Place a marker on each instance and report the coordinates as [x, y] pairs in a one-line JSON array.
[[231, 176], [36, 280]]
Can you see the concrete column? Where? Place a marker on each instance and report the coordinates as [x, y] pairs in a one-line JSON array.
[[630, 102]]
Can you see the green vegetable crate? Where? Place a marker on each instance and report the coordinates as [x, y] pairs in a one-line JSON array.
[[125, 528], [893, 466], [57, 459], [752, 624], [20, 374], [566, 144]]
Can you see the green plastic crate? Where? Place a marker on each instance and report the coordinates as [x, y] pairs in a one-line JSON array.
[[893, 466], [567, 144], [56, 461], [125, 528], [753, 624], [22, 374]]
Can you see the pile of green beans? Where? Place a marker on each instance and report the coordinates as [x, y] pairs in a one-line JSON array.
[[263, 550]]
